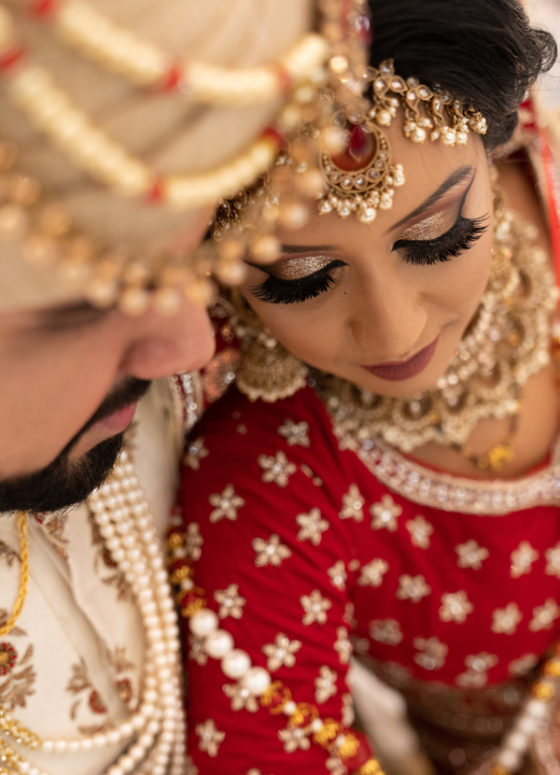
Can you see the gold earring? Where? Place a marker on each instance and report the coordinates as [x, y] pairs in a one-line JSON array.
[[266, 370]]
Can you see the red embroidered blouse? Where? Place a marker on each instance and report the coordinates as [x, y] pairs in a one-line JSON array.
[[311, 548]]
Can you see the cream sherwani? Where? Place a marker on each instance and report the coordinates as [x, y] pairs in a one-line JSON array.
[[72, 665]]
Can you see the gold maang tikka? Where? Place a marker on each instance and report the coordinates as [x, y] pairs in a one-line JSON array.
[[362, 178]]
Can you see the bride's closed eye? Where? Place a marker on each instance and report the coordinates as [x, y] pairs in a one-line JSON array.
[[278, 290]]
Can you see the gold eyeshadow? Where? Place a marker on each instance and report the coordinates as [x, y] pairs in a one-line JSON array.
[[296, 268], [430, 228]]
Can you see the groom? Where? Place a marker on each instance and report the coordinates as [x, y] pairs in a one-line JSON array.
[[75, 379]]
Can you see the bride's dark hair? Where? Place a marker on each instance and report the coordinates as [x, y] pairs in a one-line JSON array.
[[483, 51]]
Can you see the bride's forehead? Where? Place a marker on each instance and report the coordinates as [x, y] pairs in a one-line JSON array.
[[431, 172]]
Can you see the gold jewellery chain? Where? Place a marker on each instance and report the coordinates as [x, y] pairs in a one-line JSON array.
[[23, 574]]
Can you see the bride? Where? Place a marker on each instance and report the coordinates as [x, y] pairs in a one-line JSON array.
[[381, 484]]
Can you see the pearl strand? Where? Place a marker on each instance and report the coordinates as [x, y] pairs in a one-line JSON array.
[[128, 539], [144, 64]]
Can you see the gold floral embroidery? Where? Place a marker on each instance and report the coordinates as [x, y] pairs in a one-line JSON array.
[[386, 631], [476, 675], [455, 607], [432, 653], [196, 451], [270, 552], [338, 574], [294, 739], [315, 607], [342, 645], [544, 615], [325, 684], [210, 737], [352, 504], [372, 573], [295, 433], [231, 602], [226, 504], [276, 469], [335, 766], [420, 531], [54, 526], [553, 560], [81, 686], [241, 698], [385, 514], [506, 619], [412, 588], [193, 542], [471, 555], [7, 554], [281, 652], [18, 673], [522, 559], [312, 526], [197, 650]]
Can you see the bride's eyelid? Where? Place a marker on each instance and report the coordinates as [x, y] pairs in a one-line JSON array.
[[437, 225], [297, 268]]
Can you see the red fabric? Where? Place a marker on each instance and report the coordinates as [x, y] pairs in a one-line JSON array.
[[381, 622]]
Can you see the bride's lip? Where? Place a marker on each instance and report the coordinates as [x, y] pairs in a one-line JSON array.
[[400, 370]]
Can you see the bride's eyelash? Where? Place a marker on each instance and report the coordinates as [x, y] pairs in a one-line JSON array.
[[460, 237], [464, 233], [277, 291]]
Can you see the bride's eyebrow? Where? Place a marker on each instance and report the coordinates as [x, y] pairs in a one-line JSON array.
[[456, 177]]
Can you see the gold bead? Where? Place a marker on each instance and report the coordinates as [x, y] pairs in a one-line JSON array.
[[371, 767], [265, 249], [552, 668], [134, 301], [167, 300], [13, 221], [543, 690], [293, 215]]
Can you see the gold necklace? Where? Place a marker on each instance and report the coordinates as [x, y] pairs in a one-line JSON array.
[[507, 341]]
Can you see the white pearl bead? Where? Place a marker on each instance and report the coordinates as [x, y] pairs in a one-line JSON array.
[[236, 663], [509, 759], [527, 724], [203, 622], [537, 708], [218, 643], [517, 741], [256, 680]]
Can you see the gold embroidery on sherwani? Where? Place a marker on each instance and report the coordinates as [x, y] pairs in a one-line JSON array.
[[282, 652], [89, 701], [315, 608], [295, 433], [17, 672]]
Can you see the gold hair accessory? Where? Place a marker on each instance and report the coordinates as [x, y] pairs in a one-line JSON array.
[[362, 178]]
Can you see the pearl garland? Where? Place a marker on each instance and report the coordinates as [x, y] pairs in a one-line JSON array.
[[156, 730], [95, 35]]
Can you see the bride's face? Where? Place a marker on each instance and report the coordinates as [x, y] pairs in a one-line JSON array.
[[384, 305]]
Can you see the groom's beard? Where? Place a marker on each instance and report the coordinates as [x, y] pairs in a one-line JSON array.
[[64, 482]]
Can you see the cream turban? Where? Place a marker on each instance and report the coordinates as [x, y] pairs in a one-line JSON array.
[[172, 135]]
